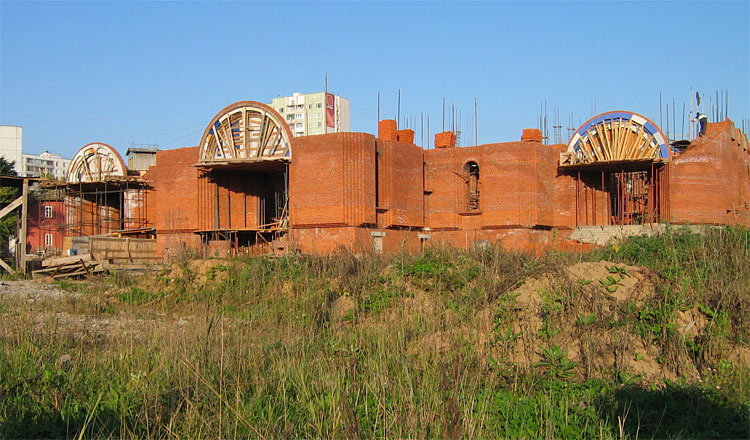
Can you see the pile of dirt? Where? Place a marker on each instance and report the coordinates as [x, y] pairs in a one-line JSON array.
[[587, 310], [200, 271]]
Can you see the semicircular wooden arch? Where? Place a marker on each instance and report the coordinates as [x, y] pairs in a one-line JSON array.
[[95, 162], [618, 136], [246, 131]]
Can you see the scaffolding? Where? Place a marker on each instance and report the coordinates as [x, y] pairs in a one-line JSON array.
[[115, 205]]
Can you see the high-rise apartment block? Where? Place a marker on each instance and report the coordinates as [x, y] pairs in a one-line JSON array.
[[313, 113], [45, 164], [11, 143]]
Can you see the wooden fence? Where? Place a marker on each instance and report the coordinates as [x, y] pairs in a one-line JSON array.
[[123, 250]]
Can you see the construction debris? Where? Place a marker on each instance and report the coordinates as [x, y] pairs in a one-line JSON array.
[[67, 267]]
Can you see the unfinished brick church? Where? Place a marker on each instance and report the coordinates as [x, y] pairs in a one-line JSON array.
[[249, 186]]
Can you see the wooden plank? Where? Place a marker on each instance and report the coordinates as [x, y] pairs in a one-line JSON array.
[[24, 223], [131, 266], [606, 148], [10, 208], [6, 266], [58, 261], [73, 274], [85, 268]]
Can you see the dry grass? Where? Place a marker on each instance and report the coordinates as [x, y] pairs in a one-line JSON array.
[[370, 346]]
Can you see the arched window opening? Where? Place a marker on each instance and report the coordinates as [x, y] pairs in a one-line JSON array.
[[471, 171]]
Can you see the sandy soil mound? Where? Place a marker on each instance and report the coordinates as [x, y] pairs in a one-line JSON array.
[[586, 310], [589, 310]]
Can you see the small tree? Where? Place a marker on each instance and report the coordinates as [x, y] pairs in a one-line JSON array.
[[7, 195]]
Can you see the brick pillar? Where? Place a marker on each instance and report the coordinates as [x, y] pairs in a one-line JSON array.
[[531, 135], [387, 130], [446, 139], [406, 136]]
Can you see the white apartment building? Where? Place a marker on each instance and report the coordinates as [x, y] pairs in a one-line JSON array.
[[45, 164], [11, 144], [313, 113]]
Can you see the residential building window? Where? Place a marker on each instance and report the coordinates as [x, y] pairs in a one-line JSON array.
[[281, 110], [48, 240], [309, 106], [320, 124], [319, 105], [47, 211], [320, 114]]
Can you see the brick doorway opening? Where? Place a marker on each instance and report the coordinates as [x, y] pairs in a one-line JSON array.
[[244, 209], [628, 194]]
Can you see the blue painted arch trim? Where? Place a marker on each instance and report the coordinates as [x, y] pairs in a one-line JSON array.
[[648, 125]]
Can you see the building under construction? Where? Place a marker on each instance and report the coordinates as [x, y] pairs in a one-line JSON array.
[[98, 197], [249, 186]]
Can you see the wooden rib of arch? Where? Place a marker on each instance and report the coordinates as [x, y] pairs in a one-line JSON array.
[[616, 139], [95, 163], [245, 133]]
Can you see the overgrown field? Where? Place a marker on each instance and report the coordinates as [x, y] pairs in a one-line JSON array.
[[646, 338]]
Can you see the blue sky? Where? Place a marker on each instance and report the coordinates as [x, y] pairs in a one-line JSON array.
[[157, 72]]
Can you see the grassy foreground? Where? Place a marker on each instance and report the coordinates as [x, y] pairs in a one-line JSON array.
[[393, 346]]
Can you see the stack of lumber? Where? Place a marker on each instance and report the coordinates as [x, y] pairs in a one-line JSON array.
[[66, 267]]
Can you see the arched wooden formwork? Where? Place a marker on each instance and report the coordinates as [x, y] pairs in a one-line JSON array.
[[244, 132], [617, 136], [95, 162]]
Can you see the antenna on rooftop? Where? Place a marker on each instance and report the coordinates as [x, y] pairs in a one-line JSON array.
[[326, 82]]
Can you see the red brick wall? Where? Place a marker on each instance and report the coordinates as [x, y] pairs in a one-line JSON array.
[[710, 182], [175, 199], [400, 184], [332, 180], [533, 241], [524, 203], [323, 240], [517, 187], [353, 239]]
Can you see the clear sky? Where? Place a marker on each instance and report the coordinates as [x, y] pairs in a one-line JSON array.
[[157, 72]]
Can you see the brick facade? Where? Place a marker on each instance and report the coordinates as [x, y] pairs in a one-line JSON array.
[[360, 192]]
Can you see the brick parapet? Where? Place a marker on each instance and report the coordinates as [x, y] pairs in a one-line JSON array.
[[445, 139], [388, 130]]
